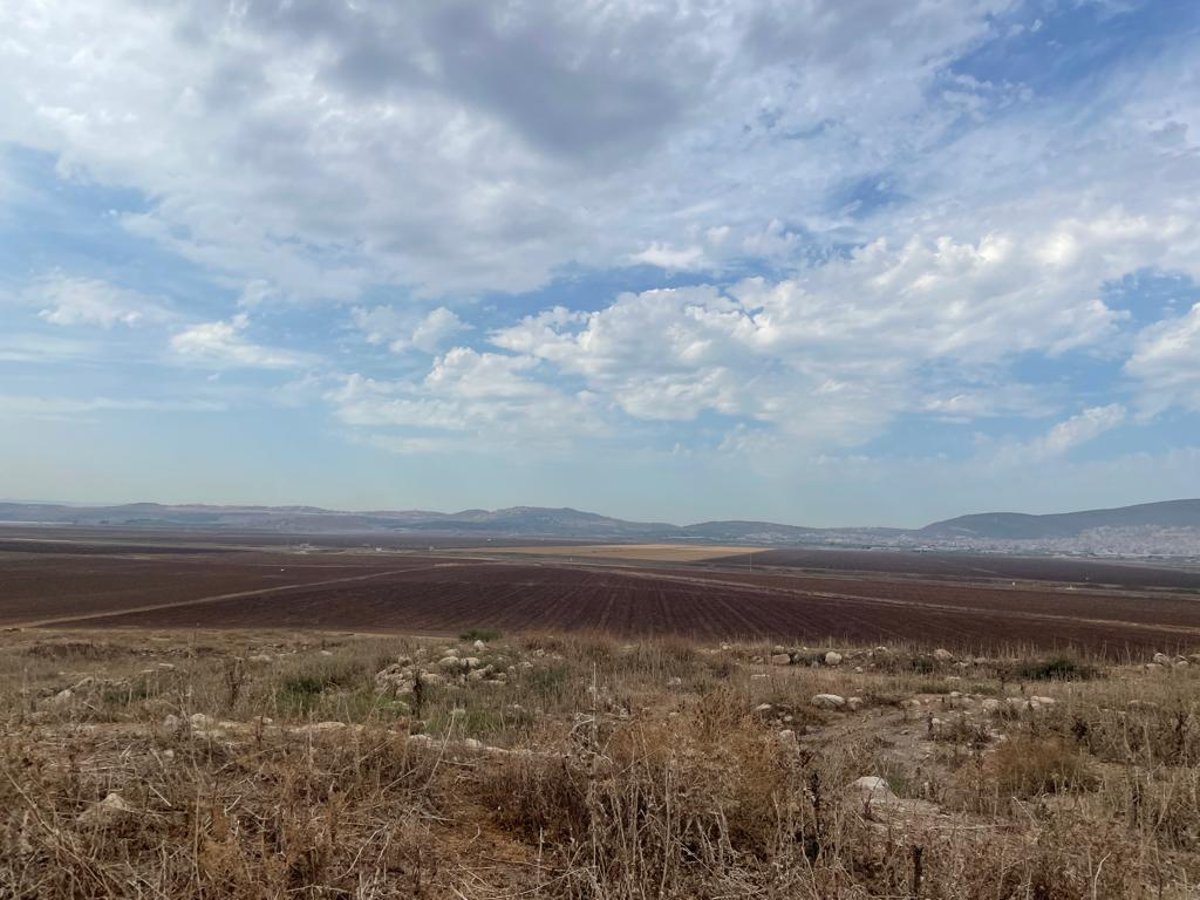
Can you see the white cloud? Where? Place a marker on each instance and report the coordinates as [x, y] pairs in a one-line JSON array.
[[72, 408], [222, 345], [664, 257], [479, 401], [1166, 362], [1063, 437], [402, 330], [833, 354], [68, 300], [460, 147]]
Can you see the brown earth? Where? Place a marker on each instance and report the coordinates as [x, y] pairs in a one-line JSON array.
[[406, 593]]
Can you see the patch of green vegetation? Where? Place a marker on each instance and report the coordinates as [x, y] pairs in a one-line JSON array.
[[123, 696], [300, 693], [1060, 668], [923, 665], [549, 682], [480, 634]]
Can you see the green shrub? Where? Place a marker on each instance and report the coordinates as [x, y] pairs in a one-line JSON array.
[[1060, 668]]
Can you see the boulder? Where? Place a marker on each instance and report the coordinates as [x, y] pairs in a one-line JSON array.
[[1162, 659], [112, 807], [854, 704], [63, 697], [479, 646], [780, 659], [828, 701], [870, 787], [941, 654], [833, 658]]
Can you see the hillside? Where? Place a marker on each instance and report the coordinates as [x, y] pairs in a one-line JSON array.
[[1020, 526]]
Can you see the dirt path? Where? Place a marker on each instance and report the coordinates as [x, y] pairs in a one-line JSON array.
[[217, 598]]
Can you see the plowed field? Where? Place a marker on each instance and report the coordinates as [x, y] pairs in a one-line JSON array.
[[447, 594]]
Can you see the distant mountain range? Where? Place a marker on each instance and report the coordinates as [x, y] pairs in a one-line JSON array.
[[1019, 526], [1167, 528]]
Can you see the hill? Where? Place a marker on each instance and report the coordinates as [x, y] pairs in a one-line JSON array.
[[1021, 526]]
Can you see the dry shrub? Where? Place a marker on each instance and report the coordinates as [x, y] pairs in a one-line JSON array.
[[1028, 766]]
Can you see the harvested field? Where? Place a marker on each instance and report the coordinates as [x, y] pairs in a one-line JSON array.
[[668, 553], [41, 586], [424, 594], [974, 566]]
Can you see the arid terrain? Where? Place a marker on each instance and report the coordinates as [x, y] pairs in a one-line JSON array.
[[275, 764], [192, 717]]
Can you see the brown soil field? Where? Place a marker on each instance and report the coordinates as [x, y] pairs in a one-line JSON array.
[[974, 566], [668, 553], [38, 586], [423, 593]]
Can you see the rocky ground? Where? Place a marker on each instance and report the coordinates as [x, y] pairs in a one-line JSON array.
[[171, 764]]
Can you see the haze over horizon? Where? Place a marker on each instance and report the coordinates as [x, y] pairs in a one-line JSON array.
[[825, 263]]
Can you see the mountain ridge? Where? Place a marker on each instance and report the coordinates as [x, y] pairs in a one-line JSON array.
[[568, 522]]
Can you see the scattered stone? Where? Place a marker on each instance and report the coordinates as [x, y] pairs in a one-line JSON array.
[[674, 682], [787, 735], [200, 720], [450, 664], [780, 659], [833, 658], [327, 653], [990, 704], [63, 697], [260, 658], [110, 808], [479, 646], [871, 787], [758, 676], [172, 722], [828, 701], [763, 708], [854, 704], [943, 655], [1162, 659], [910, 704]]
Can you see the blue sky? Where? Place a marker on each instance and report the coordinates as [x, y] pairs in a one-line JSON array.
[[816, 262]]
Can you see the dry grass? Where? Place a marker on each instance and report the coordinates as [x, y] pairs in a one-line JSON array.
[[276, 765]]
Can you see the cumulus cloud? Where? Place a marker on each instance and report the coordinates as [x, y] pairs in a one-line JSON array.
[[223, 345], [834, 353], [480, 401], [465, 146], [401, 330], [916, 228]]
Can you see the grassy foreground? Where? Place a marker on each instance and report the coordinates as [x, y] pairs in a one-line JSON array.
[[178, 765]]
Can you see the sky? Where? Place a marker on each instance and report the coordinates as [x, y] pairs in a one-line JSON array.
[[823, 262]]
